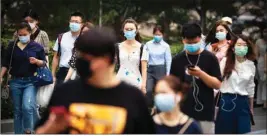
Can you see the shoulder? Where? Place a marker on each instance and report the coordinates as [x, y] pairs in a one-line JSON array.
[[165, 44], [251, 65], [67, 87], [209, 54], [43, 33], [195, 127], [36, 45], [179, 55], [149, 42], [157, 119]]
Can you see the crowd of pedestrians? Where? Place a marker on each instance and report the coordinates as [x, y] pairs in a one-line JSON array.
[[106, 86]]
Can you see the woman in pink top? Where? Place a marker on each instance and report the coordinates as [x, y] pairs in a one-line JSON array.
[[219, 38]]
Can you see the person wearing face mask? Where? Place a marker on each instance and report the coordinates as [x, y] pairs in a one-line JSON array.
[[72, 73], [200, 69], [23, 57], [169, 94], [131, 58], [38, 35], [159, 61], [262, 70], [114, 107], [237, 90], [219, 39], [64, 46]]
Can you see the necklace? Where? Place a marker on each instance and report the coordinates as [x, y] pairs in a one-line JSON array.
[[190, 61]]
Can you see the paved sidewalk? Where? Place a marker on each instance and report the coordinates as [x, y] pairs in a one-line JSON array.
[[259, 128]]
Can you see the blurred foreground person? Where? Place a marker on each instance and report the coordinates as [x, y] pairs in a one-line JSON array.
[[97, 102], [169, 94], [200, 69], [237, 90]]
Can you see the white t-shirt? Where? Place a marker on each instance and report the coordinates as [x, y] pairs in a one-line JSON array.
[[67, 44]]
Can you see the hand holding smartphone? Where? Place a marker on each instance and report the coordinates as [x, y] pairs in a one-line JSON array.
[[191, 67]]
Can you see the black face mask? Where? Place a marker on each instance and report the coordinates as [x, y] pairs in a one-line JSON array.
[[83, 68]]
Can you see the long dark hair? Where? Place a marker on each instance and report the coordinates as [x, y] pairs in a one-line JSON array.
[[130, 20], [230, 62], [211, 35]]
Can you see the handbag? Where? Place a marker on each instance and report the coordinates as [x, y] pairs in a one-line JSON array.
[[44, 76], [5, 88], [44, 94]]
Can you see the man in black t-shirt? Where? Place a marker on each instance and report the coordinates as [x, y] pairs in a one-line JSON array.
[[200, 69], [97, 103]]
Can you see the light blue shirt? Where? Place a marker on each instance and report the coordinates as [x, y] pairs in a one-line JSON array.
[[159, 54]]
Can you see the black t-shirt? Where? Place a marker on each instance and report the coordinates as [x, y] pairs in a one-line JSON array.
[[208, 63], [102, 104]]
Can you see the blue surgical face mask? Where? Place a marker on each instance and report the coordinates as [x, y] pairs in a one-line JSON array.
[[24, 39], [220, 36], [193, 47], [130, 35], [165, 102], [75, 27], [157, 38]]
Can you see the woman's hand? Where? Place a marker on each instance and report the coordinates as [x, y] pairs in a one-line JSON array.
[[33, 60], [143, 88]]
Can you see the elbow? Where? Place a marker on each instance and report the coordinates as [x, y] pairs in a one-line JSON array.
[[217, 85]]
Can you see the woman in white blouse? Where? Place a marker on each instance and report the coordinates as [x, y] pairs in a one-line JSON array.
[[237, 90], [131, 57]]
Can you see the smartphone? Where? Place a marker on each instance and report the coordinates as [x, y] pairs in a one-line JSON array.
[[59, 110], [191, 67]]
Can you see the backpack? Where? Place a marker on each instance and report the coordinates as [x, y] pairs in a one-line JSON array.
[[117, 58], [59, 38]]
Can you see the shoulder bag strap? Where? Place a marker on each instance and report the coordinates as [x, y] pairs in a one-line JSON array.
[[141, 53], [185, 127], [59, 43], [10, 61]]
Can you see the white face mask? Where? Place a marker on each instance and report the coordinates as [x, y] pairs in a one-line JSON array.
[[33, 25]]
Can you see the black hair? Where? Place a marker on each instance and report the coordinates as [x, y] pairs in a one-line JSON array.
[[191, 30], [97, 42], [158, 28], [77, 14], [24, 25], [32, 14]]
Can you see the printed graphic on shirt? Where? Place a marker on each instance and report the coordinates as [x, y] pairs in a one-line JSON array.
[[97, 119]]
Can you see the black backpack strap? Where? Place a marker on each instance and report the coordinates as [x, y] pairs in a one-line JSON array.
[[141, 53], [59, 38], [117, 57]]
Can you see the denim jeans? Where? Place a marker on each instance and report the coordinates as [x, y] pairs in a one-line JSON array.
[[24, 99]]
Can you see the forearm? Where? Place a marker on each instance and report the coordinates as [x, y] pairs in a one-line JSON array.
[[210, 81], [40, 63], [54, 65], [70, 72], [251, 99], [144, 71], [3, 71]]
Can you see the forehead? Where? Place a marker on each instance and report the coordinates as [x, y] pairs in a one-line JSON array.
[[28, 18], [192, 40], [76, 18], [220, 27], [162, 86], [129, 25], [239, 40], [23, 31]]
